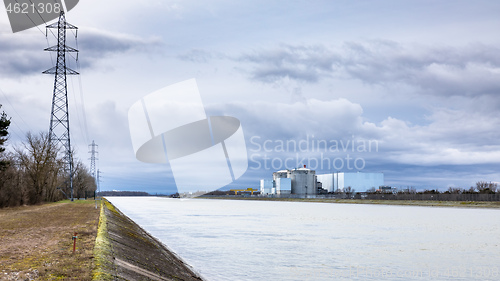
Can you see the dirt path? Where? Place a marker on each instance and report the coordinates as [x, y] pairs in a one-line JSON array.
[[36, 241]]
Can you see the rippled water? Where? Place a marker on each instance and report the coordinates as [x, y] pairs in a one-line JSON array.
[[265, 240]]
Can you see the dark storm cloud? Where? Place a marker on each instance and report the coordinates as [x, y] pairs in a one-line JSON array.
[[468, 71], [99, 44], [301, 63], [22, 55]]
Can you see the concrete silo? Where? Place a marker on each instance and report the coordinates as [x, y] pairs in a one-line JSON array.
[[303, 181]]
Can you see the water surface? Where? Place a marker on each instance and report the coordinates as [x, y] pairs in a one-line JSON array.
[[269, 240]]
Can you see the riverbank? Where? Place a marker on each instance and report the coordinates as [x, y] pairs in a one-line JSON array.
[[36, 244], [124, 251], [461, 204]]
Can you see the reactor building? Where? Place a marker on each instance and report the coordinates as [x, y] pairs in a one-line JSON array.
[[300, 181], [305, 182]]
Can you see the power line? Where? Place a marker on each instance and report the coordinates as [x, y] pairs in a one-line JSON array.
[[34, 24], [42, 20], [48, 46], [15, 133], [19, 115], [78, 68], [84, 136]]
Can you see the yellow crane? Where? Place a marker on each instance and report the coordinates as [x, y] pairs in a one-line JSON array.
[[248, 189]]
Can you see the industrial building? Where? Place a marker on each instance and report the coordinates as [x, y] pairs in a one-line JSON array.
[[280, 186], [360, 182], [305, 182], [267, 187], [301, 181], [283, 186]]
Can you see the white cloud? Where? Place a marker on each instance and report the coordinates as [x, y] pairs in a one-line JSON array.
[[470, 70]]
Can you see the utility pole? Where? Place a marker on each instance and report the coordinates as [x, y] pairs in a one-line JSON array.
[[59, 116]]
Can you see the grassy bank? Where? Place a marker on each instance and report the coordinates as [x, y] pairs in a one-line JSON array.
[[36, 241], [36, 244], [464, 204]]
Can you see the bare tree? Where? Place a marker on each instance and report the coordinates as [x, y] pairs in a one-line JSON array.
[[38, 160], [349, 191], [494, 187], [486, 187], [481, 186], [83, 182], [471, 190], [34, 172], [408, 190], [454, 190], [12, 190]]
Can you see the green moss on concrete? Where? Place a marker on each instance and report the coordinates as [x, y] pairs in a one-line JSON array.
[[103, 250], [124, 251]]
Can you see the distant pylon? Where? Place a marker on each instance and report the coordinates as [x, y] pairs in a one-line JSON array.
[[93, 156], [59, 116]]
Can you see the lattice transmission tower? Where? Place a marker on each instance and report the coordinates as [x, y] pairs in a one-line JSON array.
[[93, 157], [59, 116]]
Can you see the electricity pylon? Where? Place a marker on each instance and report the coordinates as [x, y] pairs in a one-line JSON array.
[[93, 156], [59, 116]]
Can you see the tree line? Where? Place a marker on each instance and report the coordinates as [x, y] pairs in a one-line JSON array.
[[123, 193], [483, 191], [33, 172], [482, 187]]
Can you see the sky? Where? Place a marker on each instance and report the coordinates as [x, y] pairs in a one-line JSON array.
[[407, 88]]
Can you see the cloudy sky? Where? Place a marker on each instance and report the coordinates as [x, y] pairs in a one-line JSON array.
[[419, 81]]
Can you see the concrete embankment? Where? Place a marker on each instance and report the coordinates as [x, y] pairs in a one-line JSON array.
[[124, 251]]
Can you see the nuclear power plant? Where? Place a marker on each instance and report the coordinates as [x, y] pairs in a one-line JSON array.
[[305, 182]]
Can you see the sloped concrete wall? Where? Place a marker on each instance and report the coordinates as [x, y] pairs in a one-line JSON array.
[[124, 251]]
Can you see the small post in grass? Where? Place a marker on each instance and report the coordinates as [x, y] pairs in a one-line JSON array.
[[74, 241]]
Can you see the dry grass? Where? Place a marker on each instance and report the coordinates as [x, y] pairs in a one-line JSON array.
[[36, 241]]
